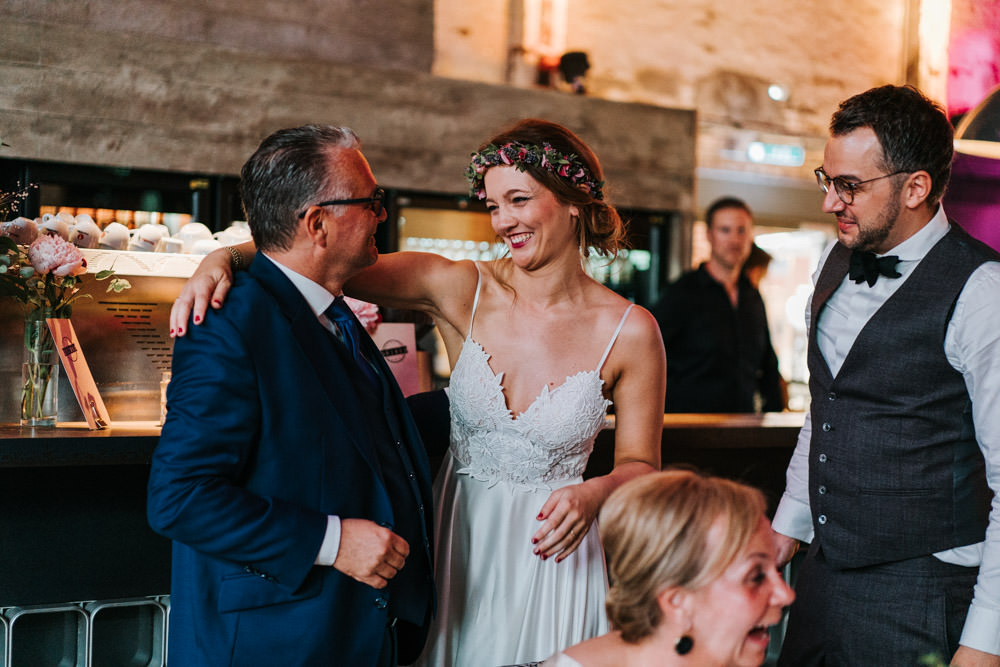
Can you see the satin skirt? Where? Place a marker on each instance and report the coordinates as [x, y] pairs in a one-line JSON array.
[[498, 603]]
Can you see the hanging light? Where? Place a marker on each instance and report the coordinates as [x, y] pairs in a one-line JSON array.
[[978, 133]]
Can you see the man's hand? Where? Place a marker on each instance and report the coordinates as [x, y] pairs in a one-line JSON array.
[[209, 283], [970, 657], [785, 547], [370, 553]]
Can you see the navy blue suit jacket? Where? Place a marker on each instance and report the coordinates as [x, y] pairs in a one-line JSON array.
[[264, 437]]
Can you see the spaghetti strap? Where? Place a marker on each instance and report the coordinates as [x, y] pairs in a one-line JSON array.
[[475, 301], [607, 351]]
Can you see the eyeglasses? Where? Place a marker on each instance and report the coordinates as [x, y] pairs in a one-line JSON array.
[[376, 202], [844, 188]]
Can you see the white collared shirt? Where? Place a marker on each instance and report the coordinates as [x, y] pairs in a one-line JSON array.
[[319, 299], [972, 347]]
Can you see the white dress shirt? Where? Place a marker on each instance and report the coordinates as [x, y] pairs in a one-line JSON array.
[[972, 347], [319, 299]]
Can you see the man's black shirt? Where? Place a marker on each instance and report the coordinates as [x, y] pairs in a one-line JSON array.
[[717, 355]]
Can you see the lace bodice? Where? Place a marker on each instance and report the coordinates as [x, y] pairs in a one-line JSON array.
[[550, 441]]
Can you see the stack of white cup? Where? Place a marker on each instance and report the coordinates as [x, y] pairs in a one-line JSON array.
[[81, 230]]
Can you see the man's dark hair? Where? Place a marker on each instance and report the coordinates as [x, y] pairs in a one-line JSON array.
[[913, 130], [725, 202], [290, 170]]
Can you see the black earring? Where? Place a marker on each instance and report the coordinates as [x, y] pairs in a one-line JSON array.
[[684, 645]]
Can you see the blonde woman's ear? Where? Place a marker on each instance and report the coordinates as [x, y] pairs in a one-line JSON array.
[[676, 603]]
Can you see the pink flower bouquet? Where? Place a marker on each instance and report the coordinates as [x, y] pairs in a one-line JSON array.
[[46, 275]]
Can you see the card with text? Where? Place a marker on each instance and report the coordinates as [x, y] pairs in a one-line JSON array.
[[78, 373]]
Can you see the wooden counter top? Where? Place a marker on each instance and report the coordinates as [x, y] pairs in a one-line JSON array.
[[73, 444]]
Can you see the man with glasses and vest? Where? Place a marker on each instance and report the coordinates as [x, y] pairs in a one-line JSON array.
[[289, 472], [893, 481]]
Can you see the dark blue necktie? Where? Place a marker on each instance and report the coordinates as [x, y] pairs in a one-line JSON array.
[[867, 267], [350, 330]]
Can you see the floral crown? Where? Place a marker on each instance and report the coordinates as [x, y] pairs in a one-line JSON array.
[[568, 167]]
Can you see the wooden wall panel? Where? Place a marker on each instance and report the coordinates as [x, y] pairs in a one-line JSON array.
[[192, 107]]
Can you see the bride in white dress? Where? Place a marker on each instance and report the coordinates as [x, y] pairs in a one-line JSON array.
[[539, 350]]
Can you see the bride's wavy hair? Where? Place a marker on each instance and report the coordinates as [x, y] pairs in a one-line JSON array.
[[599, 226]]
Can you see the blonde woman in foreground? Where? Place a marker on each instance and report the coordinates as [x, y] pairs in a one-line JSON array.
[[694, 576]]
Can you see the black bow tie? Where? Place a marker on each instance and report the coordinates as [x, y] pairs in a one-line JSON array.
[[866, 266]]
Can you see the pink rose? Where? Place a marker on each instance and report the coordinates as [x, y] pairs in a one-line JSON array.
[[367, 313], [53, 254]]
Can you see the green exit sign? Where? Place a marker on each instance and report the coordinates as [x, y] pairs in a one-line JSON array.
[[784, 155]]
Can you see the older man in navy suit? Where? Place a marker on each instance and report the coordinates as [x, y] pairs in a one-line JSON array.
[[289, 473]]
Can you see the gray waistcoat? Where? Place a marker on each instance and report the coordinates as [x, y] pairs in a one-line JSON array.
[[894, 468]]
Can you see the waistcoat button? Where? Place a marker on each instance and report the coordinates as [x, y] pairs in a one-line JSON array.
[[822, 490], [827, 427], [821, 519], [822, 458]]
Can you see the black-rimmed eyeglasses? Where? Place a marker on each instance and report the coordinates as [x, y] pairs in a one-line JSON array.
[[844, 188], [376, 202]]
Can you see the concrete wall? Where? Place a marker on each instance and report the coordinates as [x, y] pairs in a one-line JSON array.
[[705, 54], [123, 98], [397, 35]]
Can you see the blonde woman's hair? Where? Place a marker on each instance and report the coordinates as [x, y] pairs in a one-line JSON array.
[[656, 532]]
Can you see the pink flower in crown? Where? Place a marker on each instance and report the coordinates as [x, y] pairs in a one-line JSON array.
[[53, 254], [564, 171], [367, 313], [579, 173]]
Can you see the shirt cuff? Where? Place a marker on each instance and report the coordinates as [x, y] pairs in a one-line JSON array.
[[793, 519], [330, 547], [980, 631]]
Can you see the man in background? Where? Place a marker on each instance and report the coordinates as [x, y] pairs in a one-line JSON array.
[[898, 462], [289, 472], [719, 353]]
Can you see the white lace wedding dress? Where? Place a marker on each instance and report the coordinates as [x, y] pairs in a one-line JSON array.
[[498, 604]]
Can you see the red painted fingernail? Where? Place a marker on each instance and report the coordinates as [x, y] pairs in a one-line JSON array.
[[544, 556], [535, 552], [540, 516], [534, 540], [171, 332], [197, 319], [216, 303], [180, 331]]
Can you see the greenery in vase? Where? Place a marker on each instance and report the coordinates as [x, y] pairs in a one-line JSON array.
[[45, 277]]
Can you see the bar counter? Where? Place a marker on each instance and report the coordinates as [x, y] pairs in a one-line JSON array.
[[73, 518], [72, 500], [754, 449]]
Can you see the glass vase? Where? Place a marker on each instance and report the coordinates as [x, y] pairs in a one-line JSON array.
[[39, 373]]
